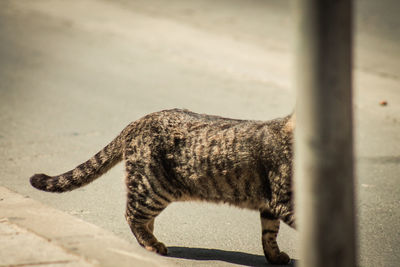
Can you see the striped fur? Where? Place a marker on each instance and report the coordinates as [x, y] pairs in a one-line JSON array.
[[178, 155]]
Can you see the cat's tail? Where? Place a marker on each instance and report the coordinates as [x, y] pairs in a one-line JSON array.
[[82, 174]]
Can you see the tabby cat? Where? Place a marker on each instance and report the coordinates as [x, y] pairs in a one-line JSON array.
[[178, 155]]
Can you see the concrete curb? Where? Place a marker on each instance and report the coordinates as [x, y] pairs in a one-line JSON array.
[[34, 234]]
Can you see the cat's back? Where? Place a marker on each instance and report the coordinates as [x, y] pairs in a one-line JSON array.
[[174, 125], [183, 121]]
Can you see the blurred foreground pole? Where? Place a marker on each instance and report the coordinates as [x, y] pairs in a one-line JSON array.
[[324, 139]]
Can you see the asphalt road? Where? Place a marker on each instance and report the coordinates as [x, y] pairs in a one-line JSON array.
[[74, 73]]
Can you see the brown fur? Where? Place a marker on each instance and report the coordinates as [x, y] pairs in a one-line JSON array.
[[178, 155]]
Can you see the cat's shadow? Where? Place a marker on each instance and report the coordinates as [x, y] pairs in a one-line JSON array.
[[234, 257]]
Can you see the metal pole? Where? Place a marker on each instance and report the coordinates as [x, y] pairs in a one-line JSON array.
[[324, 179]]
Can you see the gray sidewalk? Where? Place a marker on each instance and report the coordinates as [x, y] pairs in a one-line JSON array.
[[32, 234]]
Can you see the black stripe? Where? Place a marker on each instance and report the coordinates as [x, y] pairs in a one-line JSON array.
[[143, 204], [164, 170], [229, 164], [284, 201], [141, 199], [217, 187], [159, 184], [98, 158], [247, 187], [108, 150], [157, 192], [287, 218], [264, 232], [133, 168], [260, 126], [213, 143], [194, 155], [210, 171], [132, 184], [234, 140], [130, 151], [89, 167], [265, 214], [137, 216], [137, 213], [69, 176], [253, 132], [82, 168], [238, 172], [146, 194], [236, 193], [225, 126], [135, 178], [159, 176], [262, 136], [264, 180]]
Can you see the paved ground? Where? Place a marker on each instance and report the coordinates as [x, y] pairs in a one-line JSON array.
[[74, 73], [33, 234]]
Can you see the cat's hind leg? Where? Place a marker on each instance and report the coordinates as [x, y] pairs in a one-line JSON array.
[[141, 222], [270, 228], [142, 208]]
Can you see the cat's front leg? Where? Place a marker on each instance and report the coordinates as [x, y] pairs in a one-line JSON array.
[[270, 228]]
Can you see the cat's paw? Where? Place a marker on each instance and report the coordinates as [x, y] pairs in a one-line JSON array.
[[281, 259], [158, 248]]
